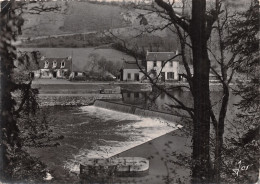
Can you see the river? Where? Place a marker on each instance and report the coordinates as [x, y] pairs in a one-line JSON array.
[[94, 132]]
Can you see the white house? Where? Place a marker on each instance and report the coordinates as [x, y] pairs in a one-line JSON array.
[[163, 65], [131, 72], [54, 67]]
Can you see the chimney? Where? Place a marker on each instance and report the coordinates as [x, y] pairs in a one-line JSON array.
[[177, 52]]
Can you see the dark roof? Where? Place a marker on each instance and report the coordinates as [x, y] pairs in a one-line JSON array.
[[131, 65], [161, 56], [58, 60]]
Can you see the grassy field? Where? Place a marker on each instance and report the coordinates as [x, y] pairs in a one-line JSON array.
[[148, 42], [44, 23], [82, 17], [86, 23], [74, 17], [91, 17]]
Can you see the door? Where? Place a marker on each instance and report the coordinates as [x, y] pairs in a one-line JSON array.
[[137, 76], [32, 75], [54, 74]]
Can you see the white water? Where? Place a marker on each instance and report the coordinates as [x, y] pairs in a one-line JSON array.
[[141, 130]]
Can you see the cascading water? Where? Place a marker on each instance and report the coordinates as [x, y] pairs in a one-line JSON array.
[[136, 110], [113, 106], [116, 132]]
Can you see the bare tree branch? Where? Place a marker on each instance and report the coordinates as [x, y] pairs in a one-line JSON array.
[[133, 53], [174, 18]]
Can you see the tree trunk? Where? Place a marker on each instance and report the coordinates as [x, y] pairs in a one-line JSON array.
[[9, 131], [201, 169], [219, 133], [9, 141]]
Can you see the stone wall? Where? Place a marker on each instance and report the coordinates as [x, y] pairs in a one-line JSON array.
[[73, 100], [86, 88]]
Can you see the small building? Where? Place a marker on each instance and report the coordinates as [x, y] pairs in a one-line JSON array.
[[182, 72], [212, 76], [131, 72], [76, 75], [54, 67], [163, 65]]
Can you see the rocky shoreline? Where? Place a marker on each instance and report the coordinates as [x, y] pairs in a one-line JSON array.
[[73, 100]]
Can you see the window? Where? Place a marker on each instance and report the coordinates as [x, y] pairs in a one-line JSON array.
[[54, 64], [46, 65], [128, 95], [62, 64], [171, 63], [137, 76], [163, 63], [136, 95], [170, 75], [129, 76], [154, 64]]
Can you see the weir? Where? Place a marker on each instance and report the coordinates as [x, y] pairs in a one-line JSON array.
[[127, 108]]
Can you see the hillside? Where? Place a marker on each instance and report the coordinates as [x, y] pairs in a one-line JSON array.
[[74, 17], [83, 17], [83, 24]]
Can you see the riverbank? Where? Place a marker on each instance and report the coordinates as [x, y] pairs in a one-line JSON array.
[[58, 92], [60, 86], [65, 93]]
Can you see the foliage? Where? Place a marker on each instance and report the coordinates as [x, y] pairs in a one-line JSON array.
[[36, 131], [137, 52], [102, 65], [247, 28], [244, 37], [25, 63], [245, 144], [18, 100], [26, 168], [83, 40]]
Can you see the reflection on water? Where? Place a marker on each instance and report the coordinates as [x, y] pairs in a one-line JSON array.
[[161, 102], [155, 100]]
